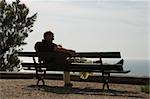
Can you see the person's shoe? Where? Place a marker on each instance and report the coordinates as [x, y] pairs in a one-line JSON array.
[[68, 85]]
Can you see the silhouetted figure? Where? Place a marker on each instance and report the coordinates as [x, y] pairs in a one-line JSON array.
[[47, 45]]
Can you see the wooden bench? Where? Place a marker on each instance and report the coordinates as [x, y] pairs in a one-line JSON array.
[[99, 66]]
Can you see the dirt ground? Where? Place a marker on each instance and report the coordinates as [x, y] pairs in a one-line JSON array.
[[54, 89]]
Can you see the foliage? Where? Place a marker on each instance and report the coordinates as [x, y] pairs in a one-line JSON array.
[[145, 89], [14, 28]]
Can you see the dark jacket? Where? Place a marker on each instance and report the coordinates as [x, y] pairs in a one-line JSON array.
[[44, 46]]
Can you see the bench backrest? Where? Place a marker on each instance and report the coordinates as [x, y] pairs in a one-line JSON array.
[[28, 54], [99, 55], [80, 54]]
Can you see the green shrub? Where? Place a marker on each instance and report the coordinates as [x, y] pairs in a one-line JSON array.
[[15, 25], [145, 88]]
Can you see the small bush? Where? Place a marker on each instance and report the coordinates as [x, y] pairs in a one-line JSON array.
[[145, 88], [15, 25]]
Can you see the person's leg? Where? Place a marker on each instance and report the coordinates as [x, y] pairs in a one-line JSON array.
[[61, 59], [66, 78]]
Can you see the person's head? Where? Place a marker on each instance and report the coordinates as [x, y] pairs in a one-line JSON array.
[[48, 36]]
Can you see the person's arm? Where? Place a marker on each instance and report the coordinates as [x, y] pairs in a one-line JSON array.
[[59, 48]]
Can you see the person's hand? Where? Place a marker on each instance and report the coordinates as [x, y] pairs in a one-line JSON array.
[[60, 46], [72, 52]]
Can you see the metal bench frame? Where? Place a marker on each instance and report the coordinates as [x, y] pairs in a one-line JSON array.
[[105, 69]]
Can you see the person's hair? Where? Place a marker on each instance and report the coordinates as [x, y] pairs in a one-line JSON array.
[[47, 33]]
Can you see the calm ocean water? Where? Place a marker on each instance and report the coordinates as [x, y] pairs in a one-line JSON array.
[[138, 67]]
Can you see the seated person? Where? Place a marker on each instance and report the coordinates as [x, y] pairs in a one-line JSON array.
[[47, 45]]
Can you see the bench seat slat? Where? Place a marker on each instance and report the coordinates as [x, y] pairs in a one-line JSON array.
[[78, 67]]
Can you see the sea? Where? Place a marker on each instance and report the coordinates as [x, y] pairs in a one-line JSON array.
[[138, 67]]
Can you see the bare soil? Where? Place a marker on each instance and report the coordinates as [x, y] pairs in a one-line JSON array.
[[54, 89]]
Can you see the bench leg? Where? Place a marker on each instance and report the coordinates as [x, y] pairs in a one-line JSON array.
[[105, 79], [38, 82], [40, 77]]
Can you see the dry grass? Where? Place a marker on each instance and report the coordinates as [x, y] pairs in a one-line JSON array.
[[26, 89]]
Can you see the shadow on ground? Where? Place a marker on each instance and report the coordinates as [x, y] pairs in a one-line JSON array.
[[83, 91]]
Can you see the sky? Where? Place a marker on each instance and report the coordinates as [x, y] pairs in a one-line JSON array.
[[93, 25]]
